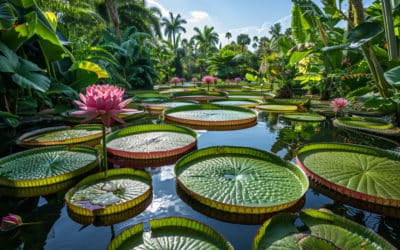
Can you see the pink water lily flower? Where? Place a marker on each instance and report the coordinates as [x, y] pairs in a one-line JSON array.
[[10, 222], [339, 104], [194, 79], [175, 79], [209, 79], [104, 101], [237, 79]]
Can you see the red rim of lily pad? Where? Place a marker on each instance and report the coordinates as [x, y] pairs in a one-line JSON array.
[[151, 155], [340, 188]]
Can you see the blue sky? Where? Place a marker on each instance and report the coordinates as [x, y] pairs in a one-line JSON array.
[[253, 17]]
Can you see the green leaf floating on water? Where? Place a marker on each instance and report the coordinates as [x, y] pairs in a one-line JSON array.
[[45, 166], [277, 108], [326, 231], [306, 117], [361, 172], [151, 141], [342, 232], [372, 123], [170, 233], [241, 180]]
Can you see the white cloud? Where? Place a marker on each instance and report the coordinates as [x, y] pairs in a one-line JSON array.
[[198, 16], [164, 11], [262, 30]]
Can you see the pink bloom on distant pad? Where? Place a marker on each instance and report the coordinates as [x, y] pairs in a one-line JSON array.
[[104, 101], [339, 104], [209, 79]]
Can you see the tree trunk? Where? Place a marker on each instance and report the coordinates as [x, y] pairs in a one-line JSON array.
[[114, 17], [369, 54]]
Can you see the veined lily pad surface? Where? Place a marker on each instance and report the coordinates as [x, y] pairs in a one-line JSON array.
[[158, 107], [46, 166], [371, 125], [361, 172], [210, 115], [305, 117], [99, 195], [170, 233], [240, 180], [62, 135], [151, 141], [277, 108], [328, 231]]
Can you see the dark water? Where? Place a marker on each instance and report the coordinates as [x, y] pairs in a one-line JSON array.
[[58, 231]]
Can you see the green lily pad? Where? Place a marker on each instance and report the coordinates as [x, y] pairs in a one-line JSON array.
[[342, 232], [63, 135], [158, 107], [305, 117], [152, 141], [210, 115], [240, 180], [277, 108], [243, 102], [328, 231], [46, 166], [371, 125], [170, 233], [361, 172], [100, 195]]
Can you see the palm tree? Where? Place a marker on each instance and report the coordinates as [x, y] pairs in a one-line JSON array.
[[243, 40], [228, 35], [206, 40], [173, 26], [275, 31]]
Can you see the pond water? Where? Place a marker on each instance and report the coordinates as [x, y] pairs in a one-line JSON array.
[[56, 230]]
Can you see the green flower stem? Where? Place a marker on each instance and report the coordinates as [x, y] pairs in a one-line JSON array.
[[105, 163]]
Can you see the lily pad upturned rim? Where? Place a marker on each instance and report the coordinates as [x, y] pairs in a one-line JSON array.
[[157, 108], [277, 107], [168, 117], [388, 132], [304, 117], [283, 225], [348, 148], [167, 222], [138, 129], [236, 150], [50, 180], [24, 138], [250, 102], [115, 208]]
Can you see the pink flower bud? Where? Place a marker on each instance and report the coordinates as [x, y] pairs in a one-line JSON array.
[[10, 222]]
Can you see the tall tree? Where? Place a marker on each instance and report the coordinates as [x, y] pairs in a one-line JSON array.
[[275, 31], [173, 26], [243, 40], [206, 40], [228, 35]]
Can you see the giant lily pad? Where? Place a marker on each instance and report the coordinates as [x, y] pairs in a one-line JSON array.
[[63, 135], [46, 166], [100, 195], [158, 107], [328, 231], [243, 102], [240, 180], [371, 125], [304, 117], [170, 233], [277, 108], [152, 141], [361, 172], [200, 96], [210, 115]]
